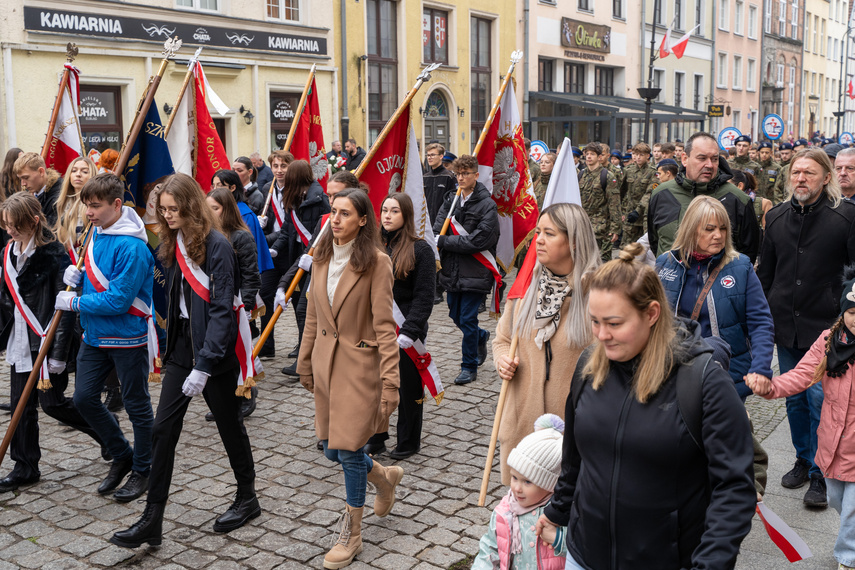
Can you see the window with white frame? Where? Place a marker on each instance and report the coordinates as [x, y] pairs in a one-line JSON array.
[[284, 10], [751, 70], [782, 17], [198, 4], [721, 76], [752, 21], [739, 14], [723, 13], [737, 72]]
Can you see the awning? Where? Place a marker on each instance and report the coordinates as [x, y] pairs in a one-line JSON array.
[[618, 107]]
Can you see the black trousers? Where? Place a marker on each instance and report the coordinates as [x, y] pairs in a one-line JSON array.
[[24, 447], [410, 408], [220, 396], [269, 283]]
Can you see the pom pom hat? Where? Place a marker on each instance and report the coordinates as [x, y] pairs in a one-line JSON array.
[[538, 456]]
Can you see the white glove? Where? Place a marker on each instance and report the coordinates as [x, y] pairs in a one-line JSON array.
[[55, 366], [262, 220], [279, 300], [63, 300], [273, 253], [195, 383], [259, 368], [72, 276], [404, 341], [305, 262]]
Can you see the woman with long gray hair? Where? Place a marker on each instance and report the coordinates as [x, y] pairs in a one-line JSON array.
[[551, 321]]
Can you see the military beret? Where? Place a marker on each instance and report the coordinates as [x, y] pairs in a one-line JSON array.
[[786, 146], [765, 145], [743, 138]]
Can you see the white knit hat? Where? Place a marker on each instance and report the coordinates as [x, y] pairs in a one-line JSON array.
[[538, 456]]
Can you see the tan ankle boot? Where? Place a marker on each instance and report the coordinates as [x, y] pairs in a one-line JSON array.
[[385, 479], [349, 542]]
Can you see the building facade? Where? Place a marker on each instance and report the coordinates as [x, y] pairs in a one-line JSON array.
[[783, 35], [738, 58]]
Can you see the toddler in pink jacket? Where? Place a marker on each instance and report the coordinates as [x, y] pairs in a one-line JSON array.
[[830, 360]]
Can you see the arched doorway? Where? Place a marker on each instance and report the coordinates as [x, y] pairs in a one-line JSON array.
[[436, 119]]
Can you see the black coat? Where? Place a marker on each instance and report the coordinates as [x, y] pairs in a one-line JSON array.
[[213, 326], [635, 490], [414, 294], [801, 267], [247, 257], [439, 182], [314, 205], [39, 281], [255, 199], [461, 272], [354, 160]]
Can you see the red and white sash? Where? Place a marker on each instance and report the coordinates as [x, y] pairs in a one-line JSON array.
[[421, 358], [10, 275], [303, 234], [278, 211], [487, 260], [138, 308], [200, 283]]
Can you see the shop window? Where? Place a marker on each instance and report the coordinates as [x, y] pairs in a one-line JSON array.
[[435, 36], [101, 117]]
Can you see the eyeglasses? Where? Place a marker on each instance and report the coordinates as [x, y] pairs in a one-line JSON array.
[[459, 174], [172, 210]]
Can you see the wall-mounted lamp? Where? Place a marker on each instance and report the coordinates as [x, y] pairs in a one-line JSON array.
[[461, 112], [167, 109], [247, 115]]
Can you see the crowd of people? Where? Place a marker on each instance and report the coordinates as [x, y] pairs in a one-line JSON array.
[[679, 277]]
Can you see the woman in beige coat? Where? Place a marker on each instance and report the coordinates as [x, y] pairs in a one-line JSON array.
[[552, 323], [349, 359]]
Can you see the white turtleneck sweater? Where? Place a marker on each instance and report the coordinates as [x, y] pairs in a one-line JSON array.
[[340, 259]]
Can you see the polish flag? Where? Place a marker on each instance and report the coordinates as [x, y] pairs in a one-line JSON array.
[[308, 142], [563, 188], [665, 46], [680, 47], [64, 144]]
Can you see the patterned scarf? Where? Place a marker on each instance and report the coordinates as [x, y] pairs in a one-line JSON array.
[[551, 291]]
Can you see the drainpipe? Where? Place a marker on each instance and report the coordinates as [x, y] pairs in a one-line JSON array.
[[345, 119], [526, 113]]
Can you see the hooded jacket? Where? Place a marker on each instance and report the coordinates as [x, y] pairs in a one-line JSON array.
[[635, 490], [669, 202], [122, 254], [461, 272]]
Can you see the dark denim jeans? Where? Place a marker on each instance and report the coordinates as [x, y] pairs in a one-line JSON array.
[[131, 364], [803, 410], [356, 466], [463, 310]]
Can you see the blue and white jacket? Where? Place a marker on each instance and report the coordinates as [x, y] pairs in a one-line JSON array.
[[122, 254], [735, 308]]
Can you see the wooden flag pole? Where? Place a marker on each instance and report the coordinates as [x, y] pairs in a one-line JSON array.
[[300, 106], [421, 79], [170, 46], [191, 67], [70, 53], [37, 365], [515, 58]]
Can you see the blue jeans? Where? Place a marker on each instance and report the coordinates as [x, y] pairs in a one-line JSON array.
[[93, 366], [356, 467], [841, 497], [803, 410], [463, 310]]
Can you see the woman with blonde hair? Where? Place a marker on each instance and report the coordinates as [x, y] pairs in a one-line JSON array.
[[551, 321], [708, 281], [650, 479]]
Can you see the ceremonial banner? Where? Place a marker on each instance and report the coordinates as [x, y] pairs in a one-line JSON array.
[[384, 172], [308, 141], [503, 169], [64, 142]]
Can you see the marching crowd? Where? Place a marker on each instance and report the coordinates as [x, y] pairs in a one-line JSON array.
[[624, 441]]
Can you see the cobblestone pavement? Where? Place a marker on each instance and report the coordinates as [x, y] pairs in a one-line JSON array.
[[61, 522]]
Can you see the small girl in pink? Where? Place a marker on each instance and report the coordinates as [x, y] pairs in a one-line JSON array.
[[830, 361]]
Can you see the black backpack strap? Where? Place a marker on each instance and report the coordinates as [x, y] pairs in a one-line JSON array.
[[690, 380], [579, 379]]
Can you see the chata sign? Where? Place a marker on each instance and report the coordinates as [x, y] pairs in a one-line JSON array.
[[727, 136], [584, 35], [773, 126]]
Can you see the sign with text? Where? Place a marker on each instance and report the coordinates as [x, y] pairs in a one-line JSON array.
[[584, 35], [715, 110]]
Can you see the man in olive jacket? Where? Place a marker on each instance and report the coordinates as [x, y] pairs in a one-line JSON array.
[[703, 173]]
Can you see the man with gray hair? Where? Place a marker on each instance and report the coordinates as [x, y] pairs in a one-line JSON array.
[[809, 239], [844, 166], [265, 175]]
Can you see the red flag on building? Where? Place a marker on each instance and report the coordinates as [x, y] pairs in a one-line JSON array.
[[503, 169], [308, 141], [64, 142], [387, 167]]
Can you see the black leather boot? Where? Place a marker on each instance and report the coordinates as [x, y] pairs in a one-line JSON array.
[[244, 509], [148, 529]]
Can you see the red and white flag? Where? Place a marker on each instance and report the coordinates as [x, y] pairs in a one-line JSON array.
[[665, 46], [784, 537], [503, 169], [308, 141], [563, 188], [64, 144], [679, 48]]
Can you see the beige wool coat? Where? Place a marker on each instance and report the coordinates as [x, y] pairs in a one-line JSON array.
[[351, 352], [529, 394]]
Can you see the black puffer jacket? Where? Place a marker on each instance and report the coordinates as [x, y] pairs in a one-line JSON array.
[[255, 199], [247, 257], [39, 280], [636, 491], [801, 266], [213, 326], [478, 216], [314, 205], [414, 294]]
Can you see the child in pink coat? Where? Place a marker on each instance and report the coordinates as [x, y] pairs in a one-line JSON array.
[[830, 361]]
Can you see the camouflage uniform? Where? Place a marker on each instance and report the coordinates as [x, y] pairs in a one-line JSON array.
[[640, 182], [745, 164], [603, 208], [768, 179]]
